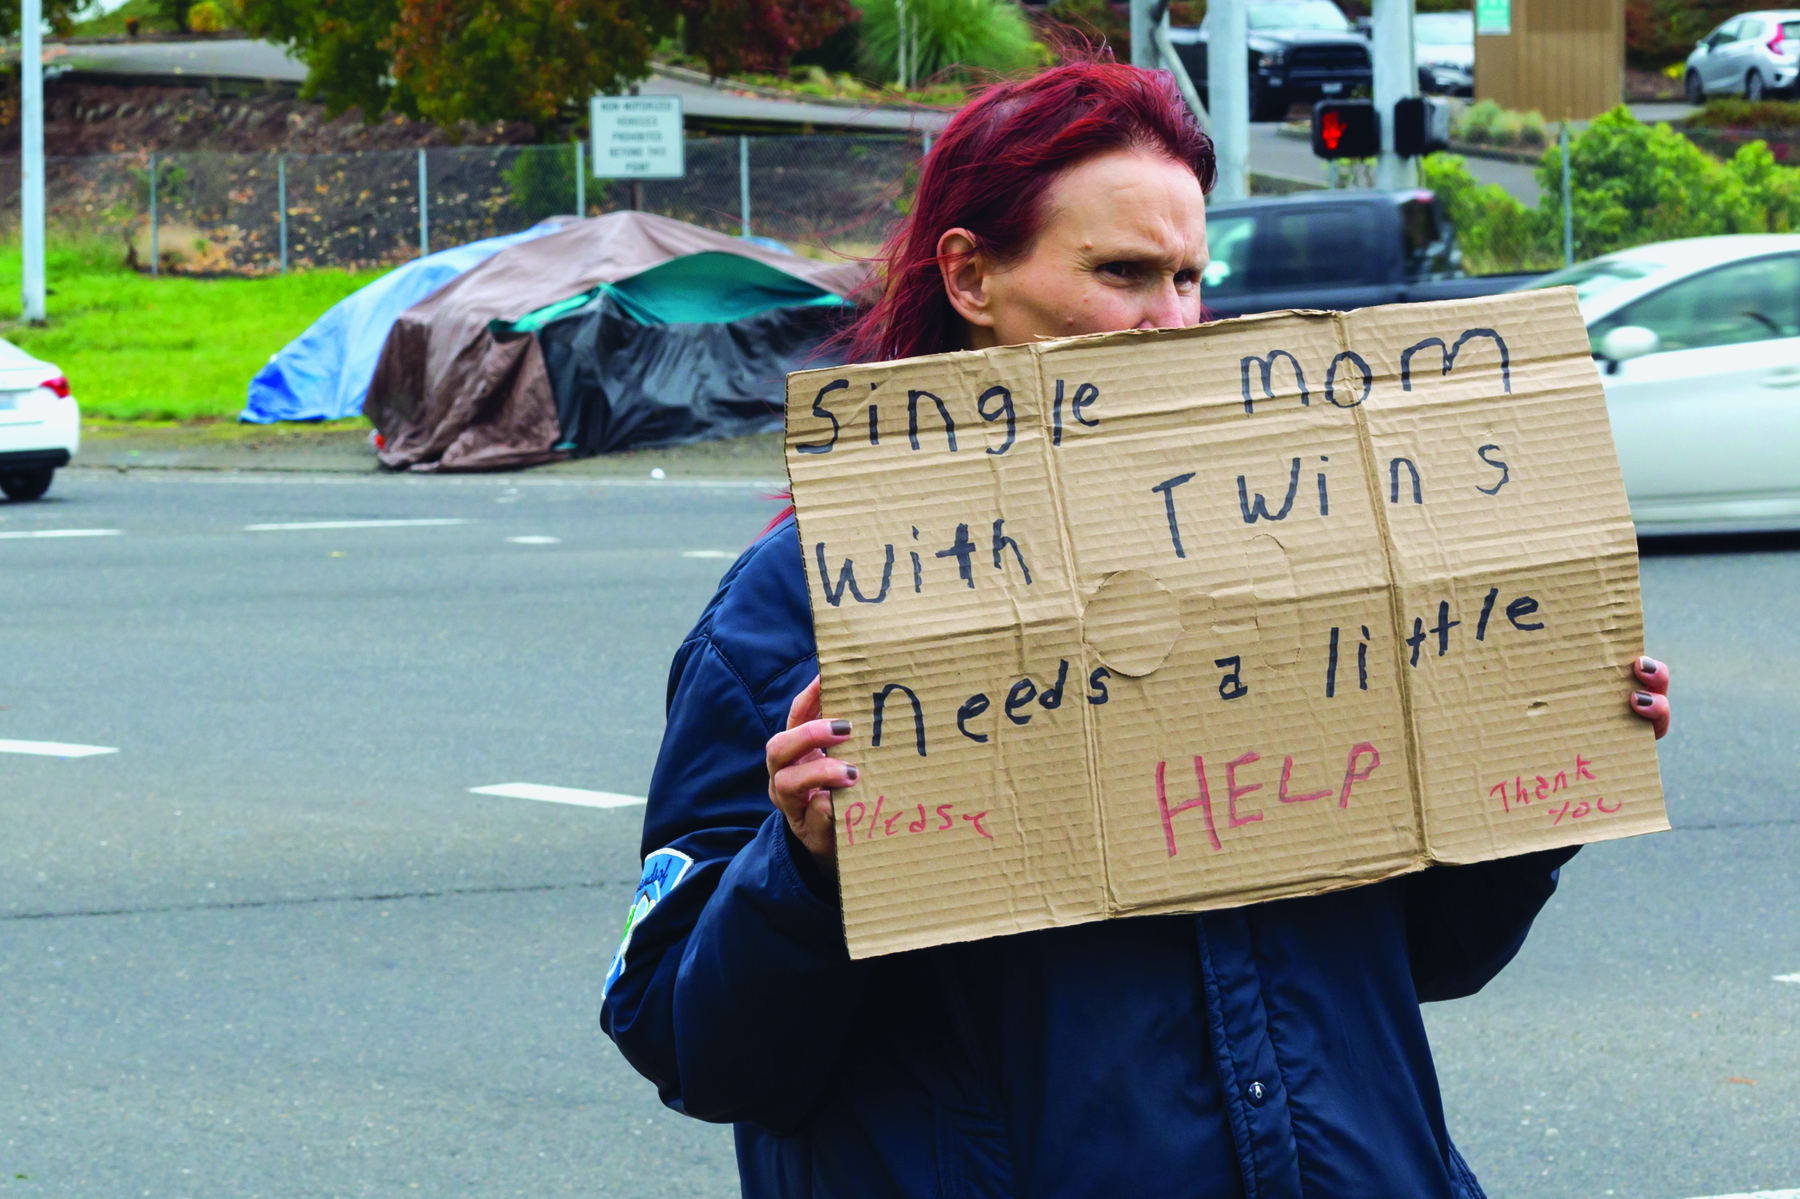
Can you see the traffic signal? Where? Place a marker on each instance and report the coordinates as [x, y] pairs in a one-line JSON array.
[[1421, 126], [1345, 129]]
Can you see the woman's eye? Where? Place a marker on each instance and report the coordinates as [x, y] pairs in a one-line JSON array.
[[1187, 278], [1119, 270]]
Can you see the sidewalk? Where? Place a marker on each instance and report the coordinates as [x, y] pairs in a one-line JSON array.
[[343, 448]]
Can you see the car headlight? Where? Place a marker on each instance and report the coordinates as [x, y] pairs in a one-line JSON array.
[[1274, 58]]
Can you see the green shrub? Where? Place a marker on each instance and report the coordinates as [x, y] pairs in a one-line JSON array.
[[206, 17], [1630, 184], [949, 35], [542, 181], [1485, 123], [1731, 112], [1497, 234]]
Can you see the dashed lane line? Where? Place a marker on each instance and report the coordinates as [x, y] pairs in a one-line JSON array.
[[535, 540], [305, 525], [23, 535], [568, 795], [54, 749], [1758, 1195], [707, 554], [1788, 978]]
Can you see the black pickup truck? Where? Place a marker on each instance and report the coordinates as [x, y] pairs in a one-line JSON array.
[[1338, 250], [1300, 50]]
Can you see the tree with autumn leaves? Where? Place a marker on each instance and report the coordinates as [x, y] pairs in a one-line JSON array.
[[534, 60]]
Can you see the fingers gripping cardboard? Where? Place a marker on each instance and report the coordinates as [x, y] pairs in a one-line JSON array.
[[1154, 622]]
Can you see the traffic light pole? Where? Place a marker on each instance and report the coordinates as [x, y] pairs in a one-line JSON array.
[[1228, 95], [1396, 78], [31, 157]]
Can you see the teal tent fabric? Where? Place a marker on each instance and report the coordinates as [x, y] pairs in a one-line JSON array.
[[706, 288]]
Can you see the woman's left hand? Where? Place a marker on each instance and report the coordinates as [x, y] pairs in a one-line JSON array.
[[1652, 702]]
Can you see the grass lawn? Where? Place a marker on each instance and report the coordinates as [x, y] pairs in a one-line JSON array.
[[168, 348]]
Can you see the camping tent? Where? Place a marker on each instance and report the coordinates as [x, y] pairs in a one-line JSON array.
[[655, 330], [324, 373]]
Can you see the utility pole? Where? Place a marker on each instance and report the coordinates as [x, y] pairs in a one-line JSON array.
[[1228, 95], [31, 155], [1396, 78], [1143, 54]]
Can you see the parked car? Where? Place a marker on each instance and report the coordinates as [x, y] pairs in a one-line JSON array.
[[1336, 249], [1754, 55], [1699, 349], [40, 424], [1444, 53], [1300, 50]]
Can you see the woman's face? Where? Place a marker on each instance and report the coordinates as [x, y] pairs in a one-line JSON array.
[[1122, 246]]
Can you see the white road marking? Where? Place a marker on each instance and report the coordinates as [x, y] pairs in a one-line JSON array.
[[535, 540], [19, 536], [54, 749], [1787, 978], [707, 554], [296, 526], [568, 795], [1759, 1195]]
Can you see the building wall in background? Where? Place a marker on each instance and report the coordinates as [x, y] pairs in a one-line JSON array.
[[1563, 58]]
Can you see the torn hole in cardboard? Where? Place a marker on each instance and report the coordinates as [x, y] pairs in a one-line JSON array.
[[1132, 622]]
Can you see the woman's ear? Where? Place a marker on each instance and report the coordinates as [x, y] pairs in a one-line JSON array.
[[965, 272]]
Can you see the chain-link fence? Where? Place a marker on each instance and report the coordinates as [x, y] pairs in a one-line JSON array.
[[206, 213]]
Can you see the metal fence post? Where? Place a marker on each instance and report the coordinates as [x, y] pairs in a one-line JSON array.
[[1568, 209], [927, 143], [424, 210], [281, 199], [580, 182], [154, 267], [744, 181]]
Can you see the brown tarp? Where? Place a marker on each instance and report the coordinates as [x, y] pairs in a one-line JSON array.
[[448, 395]]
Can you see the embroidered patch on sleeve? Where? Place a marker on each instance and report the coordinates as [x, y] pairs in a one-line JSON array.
[[662, 871]]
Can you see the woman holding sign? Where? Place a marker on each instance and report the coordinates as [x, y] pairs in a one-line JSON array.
[[1270, 1051]]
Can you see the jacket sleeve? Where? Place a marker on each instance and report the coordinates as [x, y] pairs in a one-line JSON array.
[[733, 991], [1465, 923]]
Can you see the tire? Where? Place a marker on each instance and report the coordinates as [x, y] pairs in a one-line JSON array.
[[1754, 89], [23, 485], [1696, 91]]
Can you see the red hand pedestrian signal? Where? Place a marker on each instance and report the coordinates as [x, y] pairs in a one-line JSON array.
[[1345, 129], [1331, 130]]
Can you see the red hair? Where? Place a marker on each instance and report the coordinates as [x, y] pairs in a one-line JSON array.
[[989, 171]]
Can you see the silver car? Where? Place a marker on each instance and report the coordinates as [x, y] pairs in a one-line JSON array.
[[1754, 55]]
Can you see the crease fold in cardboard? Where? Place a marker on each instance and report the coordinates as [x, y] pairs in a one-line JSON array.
[[1169, 621]]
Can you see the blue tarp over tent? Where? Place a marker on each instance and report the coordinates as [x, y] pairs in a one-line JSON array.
[[324, 373]]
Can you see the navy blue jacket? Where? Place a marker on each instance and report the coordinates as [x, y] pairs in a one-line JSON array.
[[1271, 1051]]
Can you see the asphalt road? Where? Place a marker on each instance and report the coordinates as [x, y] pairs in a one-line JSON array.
[[274, 946]]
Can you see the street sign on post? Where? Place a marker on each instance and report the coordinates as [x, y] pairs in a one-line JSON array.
[[1493, 17], [1345, 129], [637, 137]]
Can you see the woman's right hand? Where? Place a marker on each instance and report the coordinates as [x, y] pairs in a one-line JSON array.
[[802, 777]]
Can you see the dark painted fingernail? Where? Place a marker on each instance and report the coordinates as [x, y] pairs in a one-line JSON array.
[[1643, 699], [1649, 665], [851, 773], [840, 728]]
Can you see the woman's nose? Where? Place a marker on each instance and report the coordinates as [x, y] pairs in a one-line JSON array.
[[1165, 310]]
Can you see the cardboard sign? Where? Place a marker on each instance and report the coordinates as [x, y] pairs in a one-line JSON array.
[[1162, 622]]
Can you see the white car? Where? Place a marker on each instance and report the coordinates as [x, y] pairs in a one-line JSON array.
[[1698, 343], [40, 424], [1444, 52], [1755, 55]]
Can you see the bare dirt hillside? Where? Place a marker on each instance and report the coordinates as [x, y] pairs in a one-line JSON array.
[[82, 117]]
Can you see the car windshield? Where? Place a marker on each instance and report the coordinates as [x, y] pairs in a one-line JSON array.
[[1596, 278], [1444, 29], [1297, 14]]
